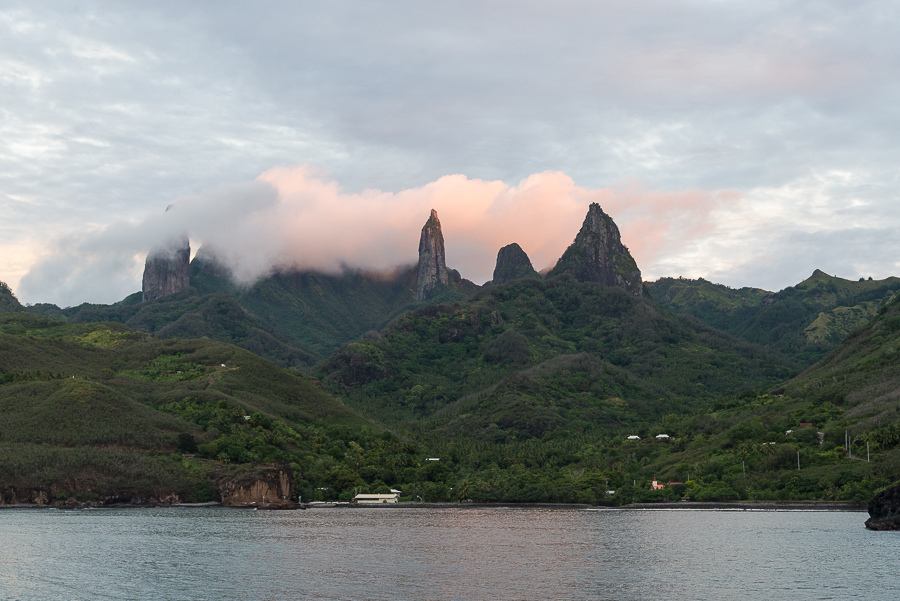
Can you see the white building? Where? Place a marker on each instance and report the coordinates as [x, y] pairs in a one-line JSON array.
[[386, 498]]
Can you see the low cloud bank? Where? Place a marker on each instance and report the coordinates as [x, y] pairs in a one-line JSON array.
[[298, 218]]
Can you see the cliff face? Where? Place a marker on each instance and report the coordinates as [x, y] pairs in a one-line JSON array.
[[433, 270], [166, 270], [513, 264], [884, 510], [598, 255], [271, 489]]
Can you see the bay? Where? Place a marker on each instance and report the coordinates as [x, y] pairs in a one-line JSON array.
[[443, 554]]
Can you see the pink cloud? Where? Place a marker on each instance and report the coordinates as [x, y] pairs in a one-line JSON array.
[[316, 225]]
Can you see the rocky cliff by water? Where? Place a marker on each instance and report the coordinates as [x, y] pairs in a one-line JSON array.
[[433, 271], [598, 255], [513, 264], [166, 270], [884, 510], [267, 489]]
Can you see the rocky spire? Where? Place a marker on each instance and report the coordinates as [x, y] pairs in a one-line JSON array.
[[513, 264], [598, 255], [433, 270], [166, 270]]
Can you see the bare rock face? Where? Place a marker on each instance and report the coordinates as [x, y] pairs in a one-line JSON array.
[[271, 489], [166, 270], [598, 255], [884, 510], [513, 264], [433, 271]]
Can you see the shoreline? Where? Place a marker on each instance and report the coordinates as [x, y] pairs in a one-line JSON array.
[[752, 506], [680, 506]]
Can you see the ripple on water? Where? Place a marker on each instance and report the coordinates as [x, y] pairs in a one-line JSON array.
[[223, 554]]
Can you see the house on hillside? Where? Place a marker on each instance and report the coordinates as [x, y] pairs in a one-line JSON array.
[[656, 485]]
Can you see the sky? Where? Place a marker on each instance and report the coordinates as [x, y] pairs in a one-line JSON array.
[[748, 143]]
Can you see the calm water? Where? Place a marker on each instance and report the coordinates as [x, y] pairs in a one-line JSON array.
[[395, 554]]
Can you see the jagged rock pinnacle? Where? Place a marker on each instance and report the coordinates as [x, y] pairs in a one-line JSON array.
[[598, 255], [513, 264], [433, 270], [166, 270]]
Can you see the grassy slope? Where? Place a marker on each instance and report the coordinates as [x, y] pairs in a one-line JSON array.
[[584, 353], [529, 391], [292, 319], [323, 311], [83, 406], [8, 300], [852, 392], [805, 321], [191, 315]]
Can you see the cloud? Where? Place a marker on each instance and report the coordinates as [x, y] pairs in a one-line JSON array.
[[113, 110], [297, 218]]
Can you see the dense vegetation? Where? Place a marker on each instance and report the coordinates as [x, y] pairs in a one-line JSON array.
[[525, 391], [805, 321], [293, 319], [99, 411], [8, 300], [529, 391]]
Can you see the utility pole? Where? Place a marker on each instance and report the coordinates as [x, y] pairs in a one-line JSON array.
[[798, 461]]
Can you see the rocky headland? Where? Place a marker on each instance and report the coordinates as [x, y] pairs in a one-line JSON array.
[[884, 510]]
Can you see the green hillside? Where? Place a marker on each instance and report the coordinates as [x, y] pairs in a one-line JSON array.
[[293, 318], [8, 300], [525, 391], [748, 446], [805, 321], [528, 391], [321, 311], [191, 315], [99, 411], [433, 357]]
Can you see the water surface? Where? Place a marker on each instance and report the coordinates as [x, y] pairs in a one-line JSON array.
[[396, 554]]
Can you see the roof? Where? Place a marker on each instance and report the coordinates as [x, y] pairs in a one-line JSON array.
[[383, 496]]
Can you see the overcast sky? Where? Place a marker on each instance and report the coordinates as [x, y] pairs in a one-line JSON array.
[[745, 142]]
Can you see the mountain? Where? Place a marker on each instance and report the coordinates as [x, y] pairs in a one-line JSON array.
[[805, 321], [530, 389], [513, 264], [631, 357], [830, 433], [188, 314], [95, 412], [432, 272], [598, 255], [8, 300], [861, 377], [166, 270]]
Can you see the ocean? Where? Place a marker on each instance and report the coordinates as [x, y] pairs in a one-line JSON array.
[[442, 554]]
